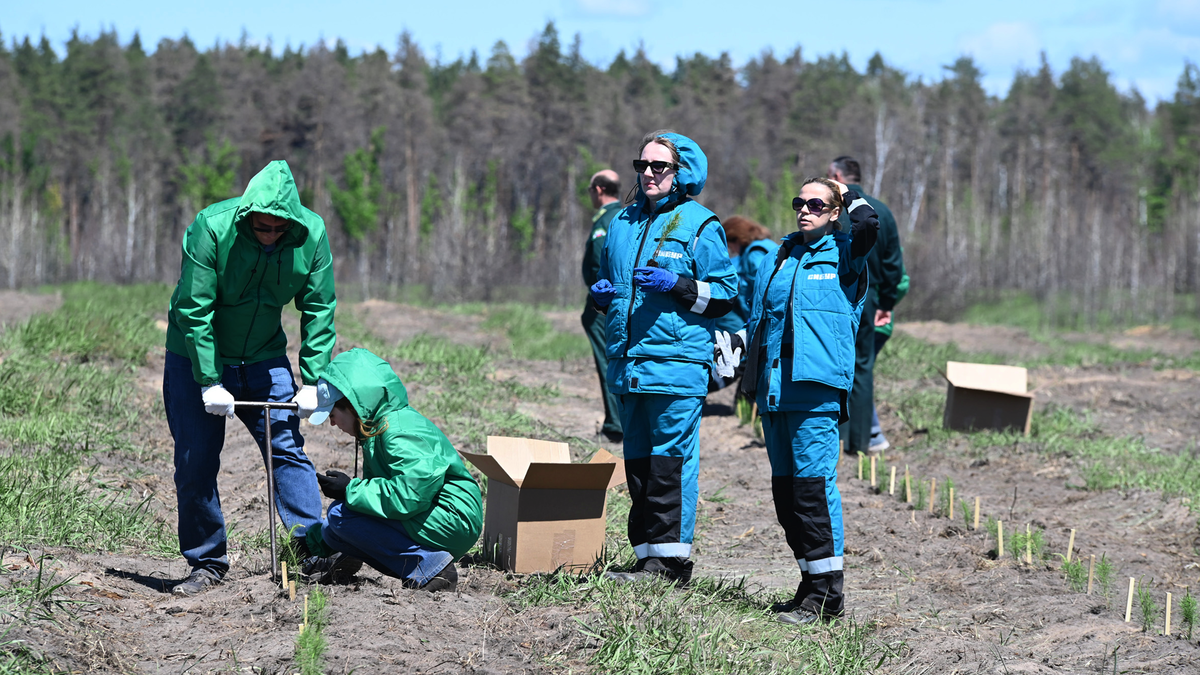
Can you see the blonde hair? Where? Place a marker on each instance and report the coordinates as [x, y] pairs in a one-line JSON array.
[[362, 430], [837, 201]]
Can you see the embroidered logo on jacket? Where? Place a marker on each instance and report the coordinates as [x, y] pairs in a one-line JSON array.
[[598, 233], [670, 254], [822, 277]]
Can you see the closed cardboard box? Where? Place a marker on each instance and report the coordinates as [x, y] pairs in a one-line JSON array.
[[984, 396], [543, 512]]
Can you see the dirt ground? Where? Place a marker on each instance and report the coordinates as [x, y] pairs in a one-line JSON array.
[[927, 582]]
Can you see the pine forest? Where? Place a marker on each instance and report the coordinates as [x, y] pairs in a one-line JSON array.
[[466, 180]]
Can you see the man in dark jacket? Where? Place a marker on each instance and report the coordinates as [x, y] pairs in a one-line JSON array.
[[243, 260], [604, 191], [885, 264]]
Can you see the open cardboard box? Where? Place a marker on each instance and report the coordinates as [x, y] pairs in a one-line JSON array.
[[543, 512], [983, 396]]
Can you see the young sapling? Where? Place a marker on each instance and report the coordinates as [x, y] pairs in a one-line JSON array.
[[1187, 607], [1148, 606], [1077, 576]]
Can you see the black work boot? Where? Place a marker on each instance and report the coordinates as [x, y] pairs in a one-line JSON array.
[[198, 581], [802, 591], [338, 568], [446, 580]]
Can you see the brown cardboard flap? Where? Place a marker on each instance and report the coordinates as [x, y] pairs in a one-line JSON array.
[[970, 409], [490, 468], [516, 454], [988, 377], [567, 476], [603, 456]]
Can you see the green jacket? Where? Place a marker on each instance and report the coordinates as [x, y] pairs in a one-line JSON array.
[[901, 291], [227, 305], [595, 242], [411, 473]]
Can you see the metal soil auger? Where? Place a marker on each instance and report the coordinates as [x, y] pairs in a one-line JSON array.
[[267, 407]]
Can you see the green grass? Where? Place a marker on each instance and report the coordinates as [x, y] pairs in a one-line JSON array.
[[711, 626], [65, 393], [458, 387], [533, 336], [311, 643]]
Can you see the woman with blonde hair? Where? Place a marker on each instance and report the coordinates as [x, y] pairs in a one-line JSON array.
[[799, 368]]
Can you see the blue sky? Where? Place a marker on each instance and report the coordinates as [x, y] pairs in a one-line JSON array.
[[1143, 43]]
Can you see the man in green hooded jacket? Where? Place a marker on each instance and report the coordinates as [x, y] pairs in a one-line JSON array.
[[415, 509], [243, 260]]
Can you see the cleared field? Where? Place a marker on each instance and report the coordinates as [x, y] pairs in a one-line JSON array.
[[87, 511]]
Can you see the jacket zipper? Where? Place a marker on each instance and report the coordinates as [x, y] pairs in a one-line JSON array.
[[633, 286], [257, 304]]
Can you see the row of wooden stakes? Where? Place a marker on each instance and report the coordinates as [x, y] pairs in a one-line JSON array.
[[1000, 532]]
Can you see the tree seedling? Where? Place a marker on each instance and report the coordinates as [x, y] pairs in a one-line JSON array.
[[1188, 607], [1148, 606], [921, 496], [1105, 572], [1077, 576]]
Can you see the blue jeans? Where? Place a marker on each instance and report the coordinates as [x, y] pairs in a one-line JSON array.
[[200, 436], [383, 544]]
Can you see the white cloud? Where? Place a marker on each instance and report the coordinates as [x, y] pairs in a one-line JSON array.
[[1003, 46], [631, 9]]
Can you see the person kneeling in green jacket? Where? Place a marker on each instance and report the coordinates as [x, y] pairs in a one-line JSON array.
[[415, 510]]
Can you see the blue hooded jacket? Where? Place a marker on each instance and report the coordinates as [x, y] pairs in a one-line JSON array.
[[808, 300], [662, 343]]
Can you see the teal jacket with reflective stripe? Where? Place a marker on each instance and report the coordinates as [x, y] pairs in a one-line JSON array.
[[663, 342]]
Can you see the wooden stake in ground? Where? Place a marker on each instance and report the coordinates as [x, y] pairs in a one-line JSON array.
[[1028, 544], [932, 493], [976, 528], [951, 503], [860, 465], [892, 483], [1091, 574], [873, 481], [305, 611], [907, 486], [1129, 600], [1070, 544], [283, 573], [1167, 627], [292, 591], [999, 539]]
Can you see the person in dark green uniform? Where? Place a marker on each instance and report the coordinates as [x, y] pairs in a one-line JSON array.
[[415, 509], [885, 265], [604, 190]]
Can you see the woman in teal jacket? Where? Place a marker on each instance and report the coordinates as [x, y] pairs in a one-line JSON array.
[[665, 277], [416, 508], [748, 244], [799, 367]]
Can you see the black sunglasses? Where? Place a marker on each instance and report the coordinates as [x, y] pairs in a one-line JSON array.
[[814, 205], [267, 229], [640, 166]]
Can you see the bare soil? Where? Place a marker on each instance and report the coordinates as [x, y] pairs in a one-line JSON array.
[[928, 583]]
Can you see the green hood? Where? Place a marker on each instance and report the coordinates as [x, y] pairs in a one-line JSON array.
[[273, 191], [410, 473], [228, 302], [368, 382]]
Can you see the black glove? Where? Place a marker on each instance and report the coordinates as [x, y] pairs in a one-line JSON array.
[[333, 484]]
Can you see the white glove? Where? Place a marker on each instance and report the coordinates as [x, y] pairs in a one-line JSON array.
[[728, 358], [217, 400], [306, 401]]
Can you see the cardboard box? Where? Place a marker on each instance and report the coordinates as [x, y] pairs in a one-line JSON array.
[[543, 512], [982, 396]]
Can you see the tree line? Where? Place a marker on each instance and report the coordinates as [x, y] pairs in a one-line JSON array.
[[466, 180]]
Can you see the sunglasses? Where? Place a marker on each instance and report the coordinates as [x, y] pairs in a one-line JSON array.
[[266, 229], [640, 166], [814, 205]]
